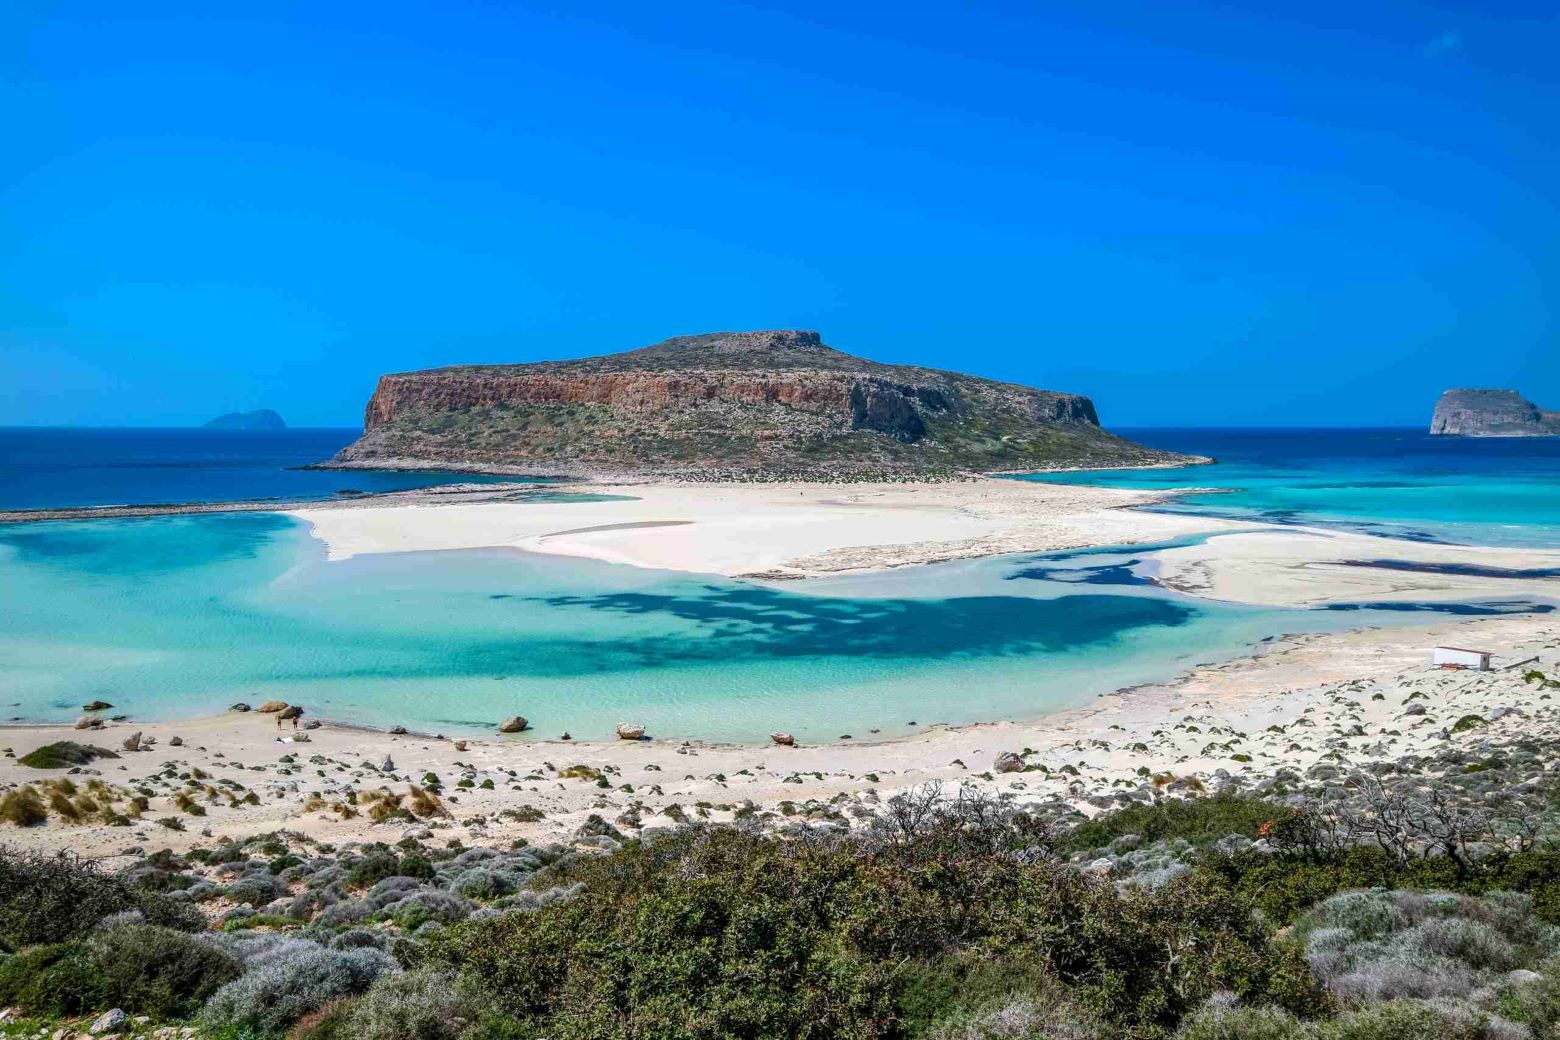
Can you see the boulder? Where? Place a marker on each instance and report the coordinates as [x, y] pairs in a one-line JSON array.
[[292, 711], [96, 706], [630, 731], [1008, 762], [313, 724], [270, 707], [398, 731], [514, 724], [388, 765], [133, 741], [109, 1022], [240, 706], [87, 722], [783, 739], [175, 741]]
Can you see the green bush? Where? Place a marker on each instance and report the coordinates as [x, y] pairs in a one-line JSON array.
[[52, 981], [1197, 820], [55, 898], [158, 971], [718, 932]]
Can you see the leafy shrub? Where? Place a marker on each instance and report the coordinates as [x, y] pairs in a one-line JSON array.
[[54, 898], [158, 971], [53, 981], [286, 982], [720, 932]]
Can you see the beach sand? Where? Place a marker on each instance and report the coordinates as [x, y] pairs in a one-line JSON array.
[[1339, 694], [777, 530]]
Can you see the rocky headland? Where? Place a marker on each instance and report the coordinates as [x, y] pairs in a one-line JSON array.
[[739, 405], [1491, 413]]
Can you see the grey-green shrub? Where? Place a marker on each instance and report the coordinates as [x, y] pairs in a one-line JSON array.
[[286, 981], [417, 1005]]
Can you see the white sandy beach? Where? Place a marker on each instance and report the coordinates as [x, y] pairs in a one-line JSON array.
[[777, 530], [772, 529]]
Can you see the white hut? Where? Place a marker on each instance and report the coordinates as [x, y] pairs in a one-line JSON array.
[[1460, 657]]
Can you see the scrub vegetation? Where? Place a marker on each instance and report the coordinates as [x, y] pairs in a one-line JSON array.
[[1373, 904]]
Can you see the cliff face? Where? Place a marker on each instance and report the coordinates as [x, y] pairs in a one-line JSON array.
[[775, 403], [1491, 413]]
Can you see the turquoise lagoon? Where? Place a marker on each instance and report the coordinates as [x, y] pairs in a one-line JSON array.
[[1403, 483], [181, 616]]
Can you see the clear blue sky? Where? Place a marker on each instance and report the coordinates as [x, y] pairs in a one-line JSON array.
[[1225, 214]]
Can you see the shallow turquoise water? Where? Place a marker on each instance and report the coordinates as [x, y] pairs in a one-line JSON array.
[[1404, 483], [180, 616]]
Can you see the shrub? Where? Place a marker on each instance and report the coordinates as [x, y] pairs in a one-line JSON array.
[[55, 898], [54, 980], [719, 932], [417, 1005], [62, 754], [286, 982], [23, 808], [1375, 946], [158, 971]]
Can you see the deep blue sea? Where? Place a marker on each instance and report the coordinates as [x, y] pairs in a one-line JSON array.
[[178, 616], [45, 467]]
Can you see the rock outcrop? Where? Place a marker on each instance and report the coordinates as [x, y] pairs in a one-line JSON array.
[[764, 405], [263, 419], [1491, 413]]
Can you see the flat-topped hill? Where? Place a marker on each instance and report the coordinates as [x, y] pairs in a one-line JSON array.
[[1491, 413], [769, 405]]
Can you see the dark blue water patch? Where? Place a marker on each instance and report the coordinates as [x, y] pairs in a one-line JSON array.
[[1105, 574], [1470, 570], [1485, 609], [755, 622]]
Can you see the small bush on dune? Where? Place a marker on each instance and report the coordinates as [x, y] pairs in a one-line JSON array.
[[63, 754], [23, 808]]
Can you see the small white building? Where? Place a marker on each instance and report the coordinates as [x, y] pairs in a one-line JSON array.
[[1459, 657]]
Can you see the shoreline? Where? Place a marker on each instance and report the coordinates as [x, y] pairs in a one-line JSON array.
[[1209, 723]]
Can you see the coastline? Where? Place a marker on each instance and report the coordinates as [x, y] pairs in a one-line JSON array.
[[1203, 728]]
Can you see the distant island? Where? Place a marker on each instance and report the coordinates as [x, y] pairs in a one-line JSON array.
[[260, 419], [1491, 413], [768, 405]]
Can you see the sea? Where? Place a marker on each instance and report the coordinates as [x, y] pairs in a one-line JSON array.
[[179, 616]]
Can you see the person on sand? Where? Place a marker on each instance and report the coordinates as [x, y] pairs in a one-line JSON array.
[[295, 721]]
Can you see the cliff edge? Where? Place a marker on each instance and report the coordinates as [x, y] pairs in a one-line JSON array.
[[1491, 413], [730, 405]]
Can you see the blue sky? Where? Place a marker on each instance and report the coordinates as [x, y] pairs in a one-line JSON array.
[[1241, 214]]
